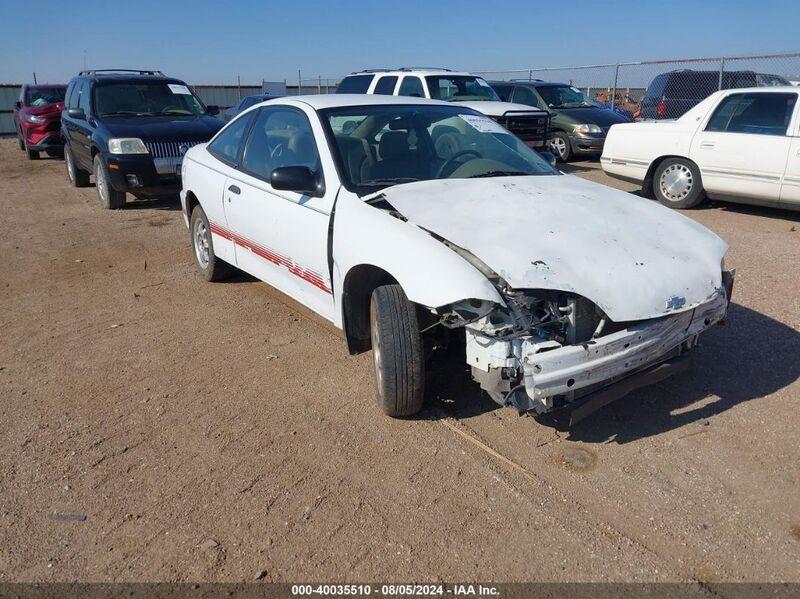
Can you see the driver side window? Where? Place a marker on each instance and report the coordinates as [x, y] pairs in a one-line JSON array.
[[281, 136]]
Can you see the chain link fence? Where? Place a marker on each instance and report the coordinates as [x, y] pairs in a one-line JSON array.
[[651, 89], [664, 89]]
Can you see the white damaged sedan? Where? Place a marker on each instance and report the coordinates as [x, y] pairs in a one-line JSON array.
[[410, 223]]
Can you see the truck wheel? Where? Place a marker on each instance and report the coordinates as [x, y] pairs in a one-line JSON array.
[[677, 183], [211, 267], [78, 177], [560, 145], [110, 198], [397, 352]]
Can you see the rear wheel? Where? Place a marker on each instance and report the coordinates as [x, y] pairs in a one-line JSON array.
[[211, 267], [78, 177], [561, 147], [110, 198], [397, 351], [677, 183]]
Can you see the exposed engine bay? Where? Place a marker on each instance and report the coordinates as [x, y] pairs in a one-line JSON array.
[[545, 350]]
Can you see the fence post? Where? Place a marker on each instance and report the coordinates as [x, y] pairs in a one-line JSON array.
[[721, 71], [319, 84], [530, 75], [299, 83], [614, 91]]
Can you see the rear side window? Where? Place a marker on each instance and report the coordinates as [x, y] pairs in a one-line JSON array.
[[504, 91], [85, 97], [385, 86], [656, 87], [355, 84], [524, 95], [760, 114], [227, 144], [692, 85], [412, 86]]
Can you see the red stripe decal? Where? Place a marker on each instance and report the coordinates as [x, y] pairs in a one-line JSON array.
[[272, 256]]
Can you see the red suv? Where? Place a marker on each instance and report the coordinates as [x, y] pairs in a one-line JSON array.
[[37, 116]]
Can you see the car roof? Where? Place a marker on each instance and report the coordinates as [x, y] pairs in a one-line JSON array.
[[422, 72], [43, 85], [760, 89], [321, 101]]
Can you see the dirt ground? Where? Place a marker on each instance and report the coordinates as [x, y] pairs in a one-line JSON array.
[[157, 427]]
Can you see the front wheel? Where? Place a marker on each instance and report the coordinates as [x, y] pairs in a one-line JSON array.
[[32, 154], [110, 198], [561, 146], [211, 267], [677, 183], [397, 352], [21, 143]]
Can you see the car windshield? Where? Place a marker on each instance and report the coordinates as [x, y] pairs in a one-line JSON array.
[[460, 88], [382, 145], [42, 96], [564, 96], [145, 98]]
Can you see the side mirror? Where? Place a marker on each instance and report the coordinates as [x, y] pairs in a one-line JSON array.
[[17, 104], [76, 113], [300, 179], [212, 110]]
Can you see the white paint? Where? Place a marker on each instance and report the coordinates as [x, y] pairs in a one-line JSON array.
[[179, 89], [626, 254], [743, 167]]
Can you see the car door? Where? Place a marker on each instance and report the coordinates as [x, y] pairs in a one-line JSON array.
[[81, 129], [742, 147], [281, 237], [790, 187]]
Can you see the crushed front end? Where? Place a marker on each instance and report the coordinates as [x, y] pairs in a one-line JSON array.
[[549, 350]]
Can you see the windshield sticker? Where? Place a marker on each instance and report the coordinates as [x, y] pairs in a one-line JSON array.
[[179, 89], [482, 123], [481, 82], [575, 89]]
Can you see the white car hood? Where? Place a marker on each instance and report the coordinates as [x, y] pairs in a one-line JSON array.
[[632, 257], [491, 108]]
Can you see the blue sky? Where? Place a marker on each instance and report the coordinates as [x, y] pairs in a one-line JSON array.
[[213, 42]]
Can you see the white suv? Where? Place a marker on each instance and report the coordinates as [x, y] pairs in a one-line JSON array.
[[529, 124]]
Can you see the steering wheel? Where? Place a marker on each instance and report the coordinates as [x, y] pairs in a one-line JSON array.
[[453, 158], [277, 151]]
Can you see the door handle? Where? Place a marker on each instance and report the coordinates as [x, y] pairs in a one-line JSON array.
[[707, 145], [234, 189]]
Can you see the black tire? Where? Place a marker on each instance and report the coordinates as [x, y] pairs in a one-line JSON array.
[[110, 198], [21, 143], [677, 183], [77, 176], [561, 146], [398, 352], [32, 154], [211, 267]]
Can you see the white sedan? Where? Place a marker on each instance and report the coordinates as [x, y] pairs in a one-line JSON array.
[[740, 145], [561, 293]]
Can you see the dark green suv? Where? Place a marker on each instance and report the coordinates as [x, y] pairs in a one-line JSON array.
[[578, 125]]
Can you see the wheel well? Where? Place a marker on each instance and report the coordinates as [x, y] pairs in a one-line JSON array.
[[359, 283], [191, 202], [647, 184]]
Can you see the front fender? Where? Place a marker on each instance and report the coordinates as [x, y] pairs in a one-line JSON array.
[[429, 272]]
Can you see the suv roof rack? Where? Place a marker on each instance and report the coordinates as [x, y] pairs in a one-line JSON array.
[[425, 69], [138, 71], [370, 71], [526, 80]]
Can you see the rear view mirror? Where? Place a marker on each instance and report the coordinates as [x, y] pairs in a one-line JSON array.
[[299, 179], [76, 113], [212, 110]]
